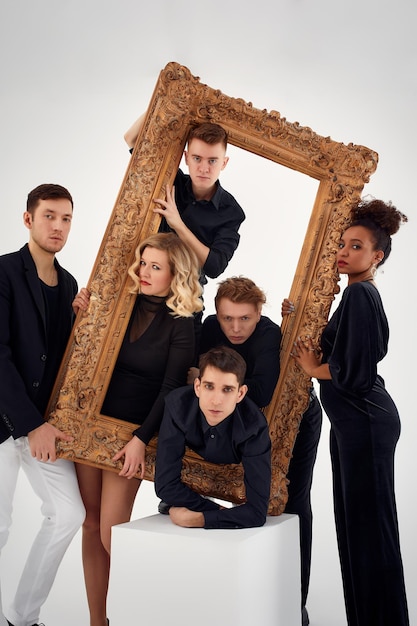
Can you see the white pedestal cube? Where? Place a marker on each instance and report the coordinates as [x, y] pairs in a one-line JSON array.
[[164, 574]]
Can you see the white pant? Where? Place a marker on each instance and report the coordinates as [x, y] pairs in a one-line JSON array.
[[63, 511]]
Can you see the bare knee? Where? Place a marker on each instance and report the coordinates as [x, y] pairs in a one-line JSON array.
[[91, 523]]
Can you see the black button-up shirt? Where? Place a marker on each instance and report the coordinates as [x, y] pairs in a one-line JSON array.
[[214, 222], [243, 437]]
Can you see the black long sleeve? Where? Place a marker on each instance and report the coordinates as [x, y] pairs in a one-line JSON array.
[[243, 437], [214, 222], [149, 368]]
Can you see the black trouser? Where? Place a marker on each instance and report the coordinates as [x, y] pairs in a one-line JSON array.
[[300, 475], [362, 450]]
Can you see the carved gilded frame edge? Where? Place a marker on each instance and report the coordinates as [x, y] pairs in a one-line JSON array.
[[180, 100]]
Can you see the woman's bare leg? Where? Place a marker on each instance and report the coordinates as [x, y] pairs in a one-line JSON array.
[[108, 500], [117, 500], [96, 559]]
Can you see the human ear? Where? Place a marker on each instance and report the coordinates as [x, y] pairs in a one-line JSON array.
[[243, 389], [27, 219], [197, 385], [225, 162]]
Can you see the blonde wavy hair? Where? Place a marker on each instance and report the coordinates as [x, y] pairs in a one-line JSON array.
[[184, 298]]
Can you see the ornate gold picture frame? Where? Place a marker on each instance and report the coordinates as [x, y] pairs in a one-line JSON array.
[[179, 101]]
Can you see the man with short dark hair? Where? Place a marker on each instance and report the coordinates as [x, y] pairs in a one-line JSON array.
[[218, 421], [36, 316]]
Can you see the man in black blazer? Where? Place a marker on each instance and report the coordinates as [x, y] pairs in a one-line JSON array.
[[36, 316]]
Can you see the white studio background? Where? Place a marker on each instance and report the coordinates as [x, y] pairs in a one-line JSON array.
[[75, 75]]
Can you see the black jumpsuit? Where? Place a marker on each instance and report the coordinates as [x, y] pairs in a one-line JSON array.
[[365, 428]]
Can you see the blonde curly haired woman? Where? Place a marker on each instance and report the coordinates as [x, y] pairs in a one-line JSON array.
[[154, 358]]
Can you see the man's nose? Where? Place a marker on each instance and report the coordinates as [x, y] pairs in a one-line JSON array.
[[217, 398]]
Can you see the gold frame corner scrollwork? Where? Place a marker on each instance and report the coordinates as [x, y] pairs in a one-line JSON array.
[[179, 101]]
